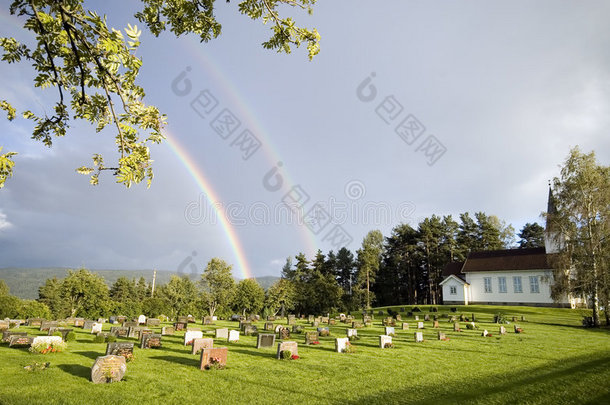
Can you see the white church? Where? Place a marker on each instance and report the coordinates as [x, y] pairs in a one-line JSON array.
[[505, 277]]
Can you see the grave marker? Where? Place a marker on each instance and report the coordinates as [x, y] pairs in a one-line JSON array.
[[168, 330], [419, 336], [233, 336], [20, 340], [153, 322], [222, 333], [292, 346], [420, 325], [405, 326], [250, 330], [124, 349], [389, 330], [96, 328], [202, 343], [46, 325], [108, 369], [119, 331], [213, 356], [341, 344], [502, 330], [383, 340], [265, 340], [351, 332], [190, 335], [284, 334], [311, 337]]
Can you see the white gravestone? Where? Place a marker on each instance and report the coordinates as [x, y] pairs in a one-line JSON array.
[[419, 336], [389, 330], [141, 319], [96, 328], [341, 344], [383, 339], [420, 325], [222, 333], [352, 332], [190, 335], [233, 336]]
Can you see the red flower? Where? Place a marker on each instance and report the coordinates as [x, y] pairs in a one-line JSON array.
[[294, 357]]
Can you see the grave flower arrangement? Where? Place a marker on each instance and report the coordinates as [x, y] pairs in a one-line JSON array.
[[349, 348], [214, 364], [287, 355], [389, 345], [46, 347], [316, 342]]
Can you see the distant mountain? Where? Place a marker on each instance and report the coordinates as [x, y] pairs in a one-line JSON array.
[[24, 282]]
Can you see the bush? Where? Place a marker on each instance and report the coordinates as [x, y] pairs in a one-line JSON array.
[[285, 354], [58, 333], [99, 339], [71, 337], [111, 339]]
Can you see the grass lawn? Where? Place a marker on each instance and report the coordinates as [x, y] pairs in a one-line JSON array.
[[554, 361]]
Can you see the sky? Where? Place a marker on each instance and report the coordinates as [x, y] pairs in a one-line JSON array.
[[412, 108]]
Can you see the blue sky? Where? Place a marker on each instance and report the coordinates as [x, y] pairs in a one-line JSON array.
[[472, 107]]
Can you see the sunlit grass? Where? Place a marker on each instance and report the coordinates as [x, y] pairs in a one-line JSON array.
[[554, 362]]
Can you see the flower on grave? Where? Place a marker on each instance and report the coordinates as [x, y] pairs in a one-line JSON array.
[[294, 357], [315, 342], [388, 345], [349, 348]]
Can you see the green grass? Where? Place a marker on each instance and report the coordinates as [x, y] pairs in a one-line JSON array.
[[554, 362]]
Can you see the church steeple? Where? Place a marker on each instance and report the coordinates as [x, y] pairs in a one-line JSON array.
[[551, 238]]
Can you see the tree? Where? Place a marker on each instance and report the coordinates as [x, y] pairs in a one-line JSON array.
[[179, 294], [281, 296], [33, 309], [531, 236], [580, 225], [369, 259], [123, 290], [94, 70], [51, 295], [249, 296], [4, 290], [218, 285], [85, 294]]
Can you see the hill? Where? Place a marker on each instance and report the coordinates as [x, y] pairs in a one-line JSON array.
[[24, 282]]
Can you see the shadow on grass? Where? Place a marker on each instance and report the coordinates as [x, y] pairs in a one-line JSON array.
[[76, 370], [179, 360], [91, 355], [268, 354], [549, 375]]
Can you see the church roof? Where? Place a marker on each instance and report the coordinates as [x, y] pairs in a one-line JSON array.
[[454, 269], [507, 260]]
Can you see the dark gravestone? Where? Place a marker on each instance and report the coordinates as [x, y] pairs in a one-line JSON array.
[[87, 325], [119, 331], [473, 318], [250, 330], [180, 325], [120, 349], [242, 325], [297, 329], [64, 333], [130, 324], [183, 319], [265, 340], [135, 332], [144, 332], [268, 326], [6, 335], [108, 369], [153, 322], [293, 347], [151, 341], [20, 341], [214, 356], [46, 325]]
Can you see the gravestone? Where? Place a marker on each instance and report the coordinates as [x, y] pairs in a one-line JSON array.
[[268, 326], [64, 333], [35, 321], [310, 318], [417, 317], [456, 327], [291, 320], [292, 346], [485, 333], [134, 332], [471, 326], [284, 334], [168, 330], [207, 320], [120, 319], [473, 318], [265, 340], [278, 328], [45, 325], [192, 328], [297, 329], [6, 335], [202, 343], [332, 322], [351, 332], [190, 335], [130, 324], [144, 333], [436, 325], [222, 333], [119, 331], [427, 318], [461, 317], [142, 319], [183, 319], [271, 318], [190, 319], [380, 313], [20, 341], [356, 325], [441, 336], [180, 325], [88, 324], [502, 330], [153, 322], [108, 369], [383, 340], [96, 328], [213, 355], [242, 325], [420, 325], [419, 336], [389, 330], [398, 318], [112, 320], [124, 349], [324, 331], [233, 336], [341, 344], [405, 326], [402, 309], [324, 319], [4, 325], [52, 330], [311, 337], [250, 330], [49, 340], [315, 324]]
